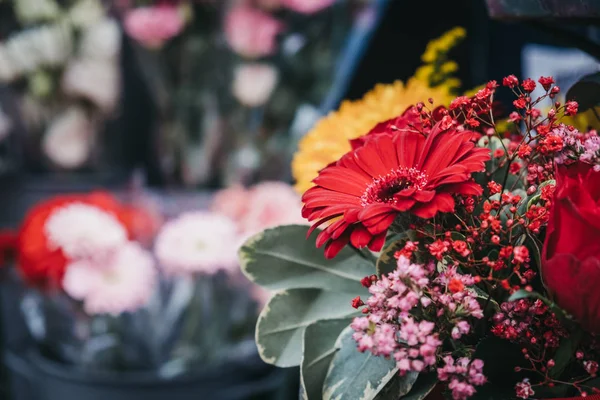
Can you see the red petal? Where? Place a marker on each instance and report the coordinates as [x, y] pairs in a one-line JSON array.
[[408, 145], [334, 247], [377, 242], [441, 202], [360, 237]]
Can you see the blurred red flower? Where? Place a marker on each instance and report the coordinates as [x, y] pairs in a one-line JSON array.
[[571, 254], [43, 266]]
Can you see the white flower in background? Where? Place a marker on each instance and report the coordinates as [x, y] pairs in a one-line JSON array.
[[67, 141], [5, 125], [123, 282], [29, 11], [49, 45], [95, 80], [86, 12], [101, 40], [197, 242], [84, 231], [8, 71], [253, 83]]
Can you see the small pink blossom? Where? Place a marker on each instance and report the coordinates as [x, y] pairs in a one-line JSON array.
[[307, 6], [123, 281], [523, 389], [251, 32], [153, 26], [197, 242], [463, 374]]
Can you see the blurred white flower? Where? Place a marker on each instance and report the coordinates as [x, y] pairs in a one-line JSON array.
[[5, 125], [254, 83], [101, 40], [84, 231], [86, 12], [29, 11], [46, 46], [124, 282], [67, 142], [8, 71], [197, 242], [95, 80]]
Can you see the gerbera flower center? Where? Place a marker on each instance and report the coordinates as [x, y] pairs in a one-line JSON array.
[[383, 189]]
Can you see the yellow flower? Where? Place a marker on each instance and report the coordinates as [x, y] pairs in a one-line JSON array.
[[329, 138], [441, 45]]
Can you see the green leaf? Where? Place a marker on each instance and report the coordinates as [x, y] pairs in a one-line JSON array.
[[423, 386], [485, 299], [318, 351], [283, 258], [387, 262], [355, 375], [586, 91], [281, 323], [565, 353]]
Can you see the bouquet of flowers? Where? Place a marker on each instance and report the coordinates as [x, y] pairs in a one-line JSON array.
[[113, 287], [62, 61], [228, 76], [460, 257]]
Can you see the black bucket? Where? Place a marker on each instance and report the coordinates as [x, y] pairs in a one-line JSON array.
[[34, 377]]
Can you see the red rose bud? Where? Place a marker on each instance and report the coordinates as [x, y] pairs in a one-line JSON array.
[[367, 281], [571, 108], [571, 253], [546, 82], [510, 81], [357, 302]]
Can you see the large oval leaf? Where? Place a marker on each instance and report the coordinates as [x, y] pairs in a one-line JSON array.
[[359, 376], [422, 387], [283, 258], [318, 351], [281, 323]]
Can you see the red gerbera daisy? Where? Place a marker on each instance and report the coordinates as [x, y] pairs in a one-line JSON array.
[[404, 171]]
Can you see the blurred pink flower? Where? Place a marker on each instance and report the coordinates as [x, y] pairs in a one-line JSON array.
[[307, 6], [231, 202], [251, 32], [197, 242], [271, 204], [153, 26], [123, 282], [265, 205], [253, 83]]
